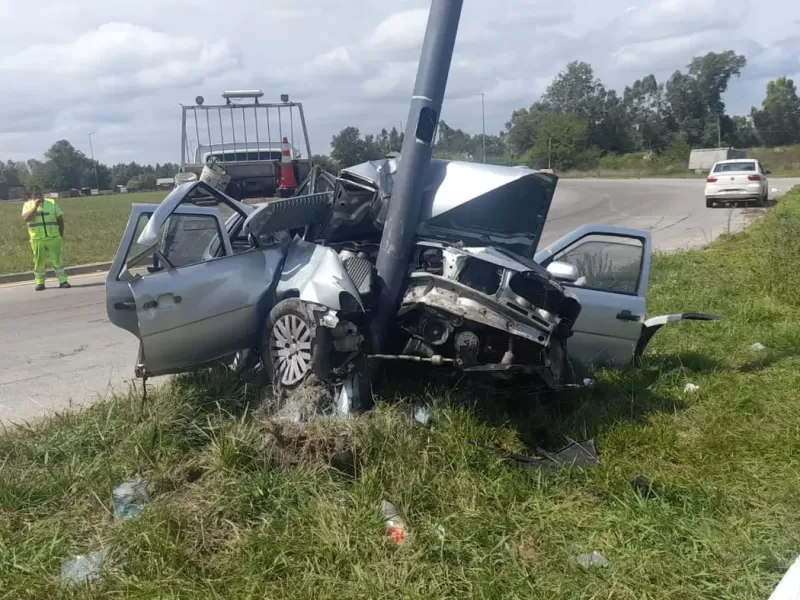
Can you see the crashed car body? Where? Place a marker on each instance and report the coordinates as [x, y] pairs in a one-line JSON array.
[[479, 295]]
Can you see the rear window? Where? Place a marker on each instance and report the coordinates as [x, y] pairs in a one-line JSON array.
[[735, 166]]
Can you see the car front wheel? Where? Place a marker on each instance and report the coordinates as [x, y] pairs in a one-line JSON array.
[[295, 349]]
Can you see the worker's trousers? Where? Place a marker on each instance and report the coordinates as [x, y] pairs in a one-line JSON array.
[[48, 250]]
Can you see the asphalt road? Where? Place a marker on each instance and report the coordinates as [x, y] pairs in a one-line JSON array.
[[58, 348]]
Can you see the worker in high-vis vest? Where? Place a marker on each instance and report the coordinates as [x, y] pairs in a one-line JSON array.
[[46, 232]]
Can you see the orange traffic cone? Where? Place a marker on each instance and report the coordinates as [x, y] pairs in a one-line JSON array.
[[288, 182]]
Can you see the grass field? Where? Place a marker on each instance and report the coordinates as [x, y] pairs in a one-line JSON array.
[[243, 508], [783, 162], [93, 227]]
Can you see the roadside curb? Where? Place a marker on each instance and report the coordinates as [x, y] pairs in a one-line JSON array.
[[73, 270]]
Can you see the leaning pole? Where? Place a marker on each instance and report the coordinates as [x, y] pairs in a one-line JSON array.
[[397, 241]]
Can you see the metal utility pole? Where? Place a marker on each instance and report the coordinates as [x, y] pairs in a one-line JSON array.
[[403, 215], [719, 132], [549, 152], [483, 127], [94, 164]]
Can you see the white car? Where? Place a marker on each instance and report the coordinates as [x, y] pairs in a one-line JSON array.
[[737, 180]]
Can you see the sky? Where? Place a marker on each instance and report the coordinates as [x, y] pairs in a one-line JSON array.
[[119, 70]]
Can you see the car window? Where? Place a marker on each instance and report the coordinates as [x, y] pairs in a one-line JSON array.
[[184, 240], [735, 166], [606, 263]]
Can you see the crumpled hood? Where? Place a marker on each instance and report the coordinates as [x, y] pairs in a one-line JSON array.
[[472, 200]]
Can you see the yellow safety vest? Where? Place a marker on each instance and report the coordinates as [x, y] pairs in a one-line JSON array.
[[44, 224]]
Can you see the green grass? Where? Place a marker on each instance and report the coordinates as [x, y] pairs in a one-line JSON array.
[[93, 227], [242, 508]]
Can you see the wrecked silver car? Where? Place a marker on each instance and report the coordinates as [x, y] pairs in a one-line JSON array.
[[202, 277]]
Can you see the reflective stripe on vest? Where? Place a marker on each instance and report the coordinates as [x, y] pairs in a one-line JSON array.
[[44, 224]]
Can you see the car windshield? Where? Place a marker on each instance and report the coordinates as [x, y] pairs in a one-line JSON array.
[[735, 166]]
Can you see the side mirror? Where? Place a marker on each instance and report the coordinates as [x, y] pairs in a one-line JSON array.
[[563, 272], [252, 238]]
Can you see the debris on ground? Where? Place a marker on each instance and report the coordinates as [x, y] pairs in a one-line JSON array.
[[129, 498], [644, 487], [578, 454], [758, 347], [82, 568], [440, 531], [588, 382], [690, 387], [396, 528], [422, 414], [595, 559]]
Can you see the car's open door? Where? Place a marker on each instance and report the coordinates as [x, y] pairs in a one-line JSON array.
[[613, 271], [613, 266], [188, 306]]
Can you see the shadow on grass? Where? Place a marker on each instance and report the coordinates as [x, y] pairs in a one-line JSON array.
[[551, 419]]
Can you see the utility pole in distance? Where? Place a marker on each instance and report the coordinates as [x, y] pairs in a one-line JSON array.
[[400, 228], [483, 127], [94, 163]]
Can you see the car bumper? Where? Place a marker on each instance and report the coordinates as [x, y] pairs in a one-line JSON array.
[[734, 197]]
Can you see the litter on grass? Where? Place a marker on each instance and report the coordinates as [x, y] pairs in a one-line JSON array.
[[690, 387], [595, 559], [82, 568], [129, 498], [758, 347], [396, 527]]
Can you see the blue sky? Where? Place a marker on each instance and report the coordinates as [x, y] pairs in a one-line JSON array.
[[119, 70]]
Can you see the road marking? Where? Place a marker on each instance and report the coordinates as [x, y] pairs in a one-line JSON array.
[[71, 278]]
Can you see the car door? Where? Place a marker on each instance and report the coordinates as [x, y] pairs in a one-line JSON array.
[[614, 267], [191, 307]]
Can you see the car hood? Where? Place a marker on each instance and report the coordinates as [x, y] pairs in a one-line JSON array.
[[471, 201]]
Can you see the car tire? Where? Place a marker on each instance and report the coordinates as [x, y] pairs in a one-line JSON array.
[[709, 203], [294, 349]]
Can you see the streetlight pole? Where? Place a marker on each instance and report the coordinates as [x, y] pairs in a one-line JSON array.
[[94, 163], [483, 127]]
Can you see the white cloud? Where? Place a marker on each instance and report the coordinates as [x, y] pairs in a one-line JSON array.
[[120, 69], [399, 31]]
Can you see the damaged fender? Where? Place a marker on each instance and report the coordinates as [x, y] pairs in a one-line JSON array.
[[652, 325], [315, 274]]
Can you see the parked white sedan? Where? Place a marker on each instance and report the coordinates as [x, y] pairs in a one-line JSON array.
[[737, 180]]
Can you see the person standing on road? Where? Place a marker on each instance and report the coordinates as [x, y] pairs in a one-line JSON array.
[[46, 232]]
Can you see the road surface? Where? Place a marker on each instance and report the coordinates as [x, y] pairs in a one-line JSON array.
[[58, 348]]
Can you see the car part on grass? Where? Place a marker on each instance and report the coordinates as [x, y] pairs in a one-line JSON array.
[[653, 324], [578, 454], [129, 498]]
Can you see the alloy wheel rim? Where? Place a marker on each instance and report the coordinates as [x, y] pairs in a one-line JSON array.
[[290, 349]]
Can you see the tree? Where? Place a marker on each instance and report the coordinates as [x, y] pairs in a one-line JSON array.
[[13, 173], [778, 121], [646, 110], [326, 163], [348, 148], [695, 97], [64, 166], [561, 144], [576, 91]]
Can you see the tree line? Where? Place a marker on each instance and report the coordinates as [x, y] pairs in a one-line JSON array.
[[578, 120], [64, 168]]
